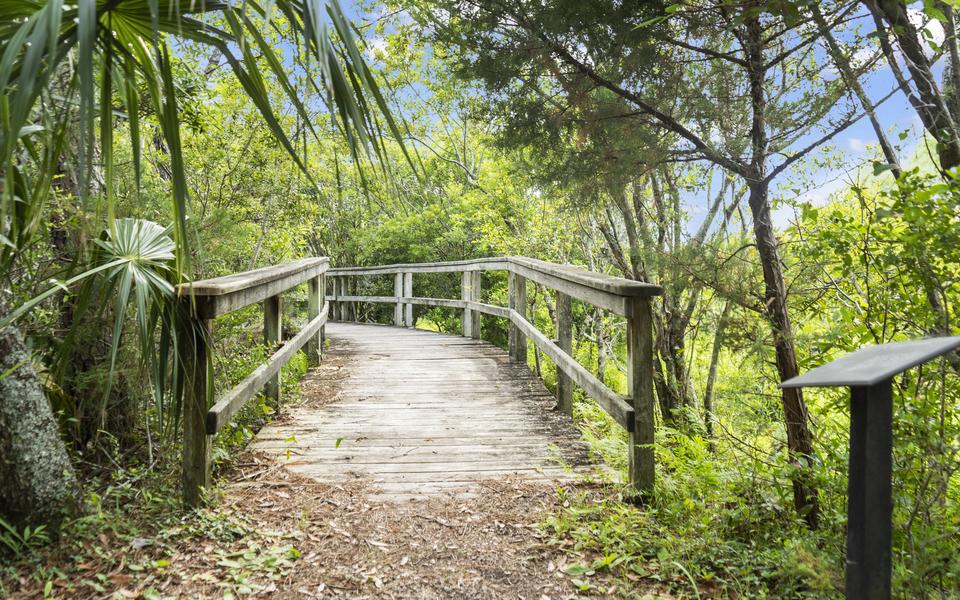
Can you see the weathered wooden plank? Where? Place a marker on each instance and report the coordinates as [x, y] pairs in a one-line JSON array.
[[220, 286], [427, 472], [618, 286], [576, 275], [370, 299], [221, 295], [456, 266], [233, 400], [273, 436], [476, 454], [490, 309], [446, 302], [413, 410]]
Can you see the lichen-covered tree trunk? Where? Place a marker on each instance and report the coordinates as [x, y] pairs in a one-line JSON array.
[[37, 482]]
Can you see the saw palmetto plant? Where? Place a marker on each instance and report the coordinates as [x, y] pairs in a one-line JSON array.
[[71, 69]]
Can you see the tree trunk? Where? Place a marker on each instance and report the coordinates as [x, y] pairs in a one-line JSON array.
[[712, 374], [929, 102], [799, 437], [37, 482]]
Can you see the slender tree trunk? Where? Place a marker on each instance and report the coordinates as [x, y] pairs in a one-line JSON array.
[[850, 78], [712, 373], [799, 437], [929, 102], [37, 482]]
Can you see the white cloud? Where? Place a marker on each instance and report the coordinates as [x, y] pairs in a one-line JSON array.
[[856, 144]]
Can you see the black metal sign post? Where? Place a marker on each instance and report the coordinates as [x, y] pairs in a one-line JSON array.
[[868, 373], [869, 491]]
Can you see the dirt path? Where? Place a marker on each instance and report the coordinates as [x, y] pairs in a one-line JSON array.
[[272, 533], [352, 544]]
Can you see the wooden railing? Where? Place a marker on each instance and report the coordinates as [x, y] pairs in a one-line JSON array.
[[201, 302], [630, 299]]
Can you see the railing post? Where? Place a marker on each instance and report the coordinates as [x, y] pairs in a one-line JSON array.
[[408, 292], [476, 278], [335, 303], [470, 292], [323, 301], [314, 302], [195, 365], [350, 286], [869, 373], [640, 389], [345, 305], [271, 337], [869, 491], [517, 301], [397, 293], [565, 341]]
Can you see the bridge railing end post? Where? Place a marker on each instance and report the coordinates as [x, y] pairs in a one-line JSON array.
[[477, 322], [470, 292], [195, 368], [641, 463], [408, 308], [398, 293]]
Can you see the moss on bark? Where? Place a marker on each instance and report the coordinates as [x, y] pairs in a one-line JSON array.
[[37, 481]]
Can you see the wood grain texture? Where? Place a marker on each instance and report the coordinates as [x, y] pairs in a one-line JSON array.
[[196, 336], [565, 342], [522, 266], [419, 414], [214, 297]]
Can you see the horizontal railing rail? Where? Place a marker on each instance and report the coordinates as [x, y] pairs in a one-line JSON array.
[[202, 301], [624, 297]]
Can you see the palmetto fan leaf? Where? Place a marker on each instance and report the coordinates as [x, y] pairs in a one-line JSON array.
[[62, 64], [140, 252]]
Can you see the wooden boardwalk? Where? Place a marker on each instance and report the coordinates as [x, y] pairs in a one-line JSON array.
[[419, 414]]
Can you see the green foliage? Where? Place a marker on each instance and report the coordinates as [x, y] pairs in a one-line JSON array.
[[19, 543], [711, 527]]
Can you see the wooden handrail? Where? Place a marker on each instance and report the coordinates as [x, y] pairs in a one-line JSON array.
[[624, 297], [599, 289], [200, 302], [221, 295]]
